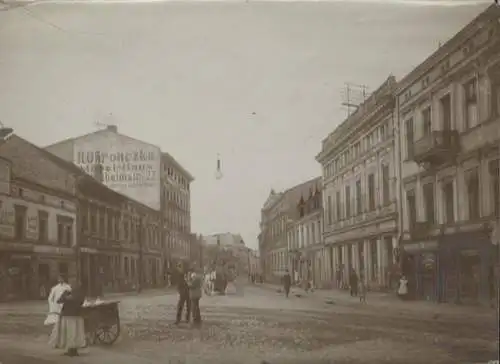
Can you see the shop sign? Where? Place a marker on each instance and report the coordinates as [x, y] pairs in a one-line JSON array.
[[32, 226], [88, 250], [423, 245]]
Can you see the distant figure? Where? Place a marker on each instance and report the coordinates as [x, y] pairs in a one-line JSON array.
[[362, 290], [403, 288], [287, 283], [353, 283]]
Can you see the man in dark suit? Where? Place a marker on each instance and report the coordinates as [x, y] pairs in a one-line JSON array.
[[183, 290]]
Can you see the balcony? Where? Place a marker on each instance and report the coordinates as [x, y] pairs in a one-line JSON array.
[[437, 148]]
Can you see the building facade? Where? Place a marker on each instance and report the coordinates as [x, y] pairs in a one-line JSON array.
[[143, 173], [37, 234], [116, 239], [278, 217], [449, 128], [272, 238], [176, 209], [359, 194], [308, 258]]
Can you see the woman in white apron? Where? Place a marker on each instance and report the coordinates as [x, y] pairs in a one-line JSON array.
[[403, 288], [54, 296]]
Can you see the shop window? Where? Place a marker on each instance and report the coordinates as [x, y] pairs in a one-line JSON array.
[[470, 264], [20, 221]]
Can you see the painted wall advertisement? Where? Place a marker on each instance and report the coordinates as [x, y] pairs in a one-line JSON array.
[[129, 167]]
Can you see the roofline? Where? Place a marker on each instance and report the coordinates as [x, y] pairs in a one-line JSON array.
[[76, 172], [450, 45], [301, 184], [178, 165]]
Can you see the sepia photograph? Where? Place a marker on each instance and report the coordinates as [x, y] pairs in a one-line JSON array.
[[249, 181]]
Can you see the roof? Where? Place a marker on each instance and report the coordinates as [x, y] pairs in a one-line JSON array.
[[493, 11], [293, 195], [186, 174]]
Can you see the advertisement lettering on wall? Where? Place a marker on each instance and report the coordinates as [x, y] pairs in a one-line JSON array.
[[132, 169]]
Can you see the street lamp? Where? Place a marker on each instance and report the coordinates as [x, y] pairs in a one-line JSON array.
[[218, 171]]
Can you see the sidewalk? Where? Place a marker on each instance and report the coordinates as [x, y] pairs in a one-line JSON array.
[[389, 301], [41, 305]]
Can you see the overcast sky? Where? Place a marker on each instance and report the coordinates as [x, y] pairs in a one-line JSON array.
[[259, 83]]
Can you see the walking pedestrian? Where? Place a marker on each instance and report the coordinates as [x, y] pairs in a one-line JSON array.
[[69, 331], [287, 283], [353, 283], [183, 291], [195, 284]]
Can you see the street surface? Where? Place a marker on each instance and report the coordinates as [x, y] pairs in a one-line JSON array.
[[261, 324]]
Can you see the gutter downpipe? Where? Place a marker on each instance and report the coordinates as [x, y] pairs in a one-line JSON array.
[[398, 161]]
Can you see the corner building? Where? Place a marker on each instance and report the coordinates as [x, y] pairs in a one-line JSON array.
[[143, 173], [449, 128], [359, 194]]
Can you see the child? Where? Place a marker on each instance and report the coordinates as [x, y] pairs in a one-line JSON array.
[[362, 290]]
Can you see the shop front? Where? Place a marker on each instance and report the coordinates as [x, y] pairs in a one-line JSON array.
[[16, 275], [49, 263], [420, 264], [469, 259]]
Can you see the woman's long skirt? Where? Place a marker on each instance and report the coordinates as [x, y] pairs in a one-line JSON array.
[[68, 333]]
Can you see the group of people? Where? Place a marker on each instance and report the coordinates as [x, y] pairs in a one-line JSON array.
[[189, 287], [65, 317], [357, 285]]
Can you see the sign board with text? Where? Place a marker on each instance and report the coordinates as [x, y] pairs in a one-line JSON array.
[[128, 166]]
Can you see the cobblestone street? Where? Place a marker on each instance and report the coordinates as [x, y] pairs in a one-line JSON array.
[[260, 323]]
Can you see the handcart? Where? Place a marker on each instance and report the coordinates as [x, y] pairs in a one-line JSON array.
[[102, 322]]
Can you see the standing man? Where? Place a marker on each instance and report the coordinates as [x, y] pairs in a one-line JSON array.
[[287, 283], [195, 285], [183, 290], [353, 283]]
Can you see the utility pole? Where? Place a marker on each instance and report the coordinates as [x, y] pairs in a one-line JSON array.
[[353, 96]]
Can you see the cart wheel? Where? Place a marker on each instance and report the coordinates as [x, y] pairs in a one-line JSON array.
[[107, 334]]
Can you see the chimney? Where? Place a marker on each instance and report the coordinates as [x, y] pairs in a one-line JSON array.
[[112, 128], [98, 173]]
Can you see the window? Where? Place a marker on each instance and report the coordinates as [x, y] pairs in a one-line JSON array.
[[60, 233], [449, 203], [495, 95], [339, 209], [385, 185], [43, 218], [383, 131], [329, 210], [470, 89], [111, 225], [347, 202], [69, 235], [473, 194], [93, 221], [410, 138], [429, 203], [371, 192], [64, 230], [20, 221], [357, 149], [359, 201], [494, 168], [446, 112], [412, 209], [427, 120], [84, 218]]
